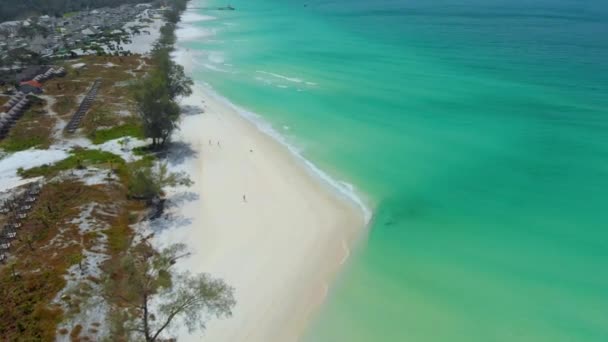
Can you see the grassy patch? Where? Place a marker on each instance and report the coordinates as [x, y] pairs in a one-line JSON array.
[[79, 158], [143, 150], [99, 116], [102, 124], [125, 130], [24, 313], [65, 105], [119, 236], [19, 142]]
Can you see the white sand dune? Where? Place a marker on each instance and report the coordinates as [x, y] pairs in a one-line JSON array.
[[279, 249]]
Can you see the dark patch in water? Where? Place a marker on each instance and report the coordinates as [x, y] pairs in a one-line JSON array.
[[396, 210]]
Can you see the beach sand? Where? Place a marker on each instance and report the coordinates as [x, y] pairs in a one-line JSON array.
[[280, 248]]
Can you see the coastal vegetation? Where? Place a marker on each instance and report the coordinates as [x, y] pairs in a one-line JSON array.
[[148, 182], [80, 245], [52, 246], [158, 112], [49, 246], [147, 277], [80, 158], [156, 94], [129, 129]]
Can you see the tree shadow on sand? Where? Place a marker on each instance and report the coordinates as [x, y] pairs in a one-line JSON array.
[[178, 152], [171, 219], [180, 199], [191, 110]]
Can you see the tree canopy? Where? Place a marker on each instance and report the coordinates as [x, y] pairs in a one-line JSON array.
[[148, 182], [159, 113], [152, 296], [157, 93]]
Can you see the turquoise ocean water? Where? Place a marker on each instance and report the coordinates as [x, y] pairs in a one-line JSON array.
[[477, 130]]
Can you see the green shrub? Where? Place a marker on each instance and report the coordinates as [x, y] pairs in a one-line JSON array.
[[125, 130], [79, 158]]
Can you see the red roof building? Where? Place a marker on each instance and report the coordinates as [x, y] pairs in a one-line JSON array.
[[32, 83]]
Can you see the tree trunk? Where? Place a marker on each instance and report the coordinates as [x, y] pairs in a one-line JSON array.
[[146, 325], [14, 274]]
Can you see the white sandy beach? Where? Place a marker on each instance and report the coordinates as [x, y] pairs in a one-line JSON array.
[[280, 249]]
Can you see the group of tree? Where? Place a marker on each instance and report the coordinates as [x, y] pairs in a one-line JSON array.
[[149, 295], [156, 94], [148, 182]]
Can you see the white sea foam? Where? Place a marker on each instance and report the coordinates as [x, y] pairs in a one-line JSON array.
[[208, 60], [286, 78], [190, 17], [189, 33], [216, 57], [263, 80], [213, 67]]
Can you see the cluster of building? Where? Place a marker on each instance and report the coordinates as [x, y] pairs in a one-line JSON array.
[[35, 84], [53, 37], [14, 108]]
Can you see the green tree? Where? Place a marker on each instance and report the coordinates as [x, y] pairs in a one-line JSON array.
[[148, 278], [148, 182], [156, 95], [158, 112], [178, 84]]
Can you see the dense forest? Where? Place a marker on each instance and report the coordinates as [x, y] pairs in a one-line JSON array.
[[18, 9]]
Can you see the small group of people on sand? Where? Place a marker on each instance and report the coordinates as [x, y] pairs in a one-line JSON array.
[[219, 145]]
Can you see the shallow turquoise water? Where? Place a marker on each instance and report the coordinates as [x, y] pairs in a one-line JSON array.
[[478, 130]]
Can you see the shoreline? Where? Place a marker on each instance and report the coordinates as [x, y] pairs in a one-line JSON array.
[[343, 189], [283, 245]]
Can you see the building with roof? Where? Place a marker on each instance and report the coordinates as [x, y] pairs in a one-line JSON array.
[[30, 87]]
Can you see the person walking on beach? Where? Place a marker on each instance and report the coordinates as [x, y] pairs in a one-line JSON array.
[[218, 144], [244, 198]]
